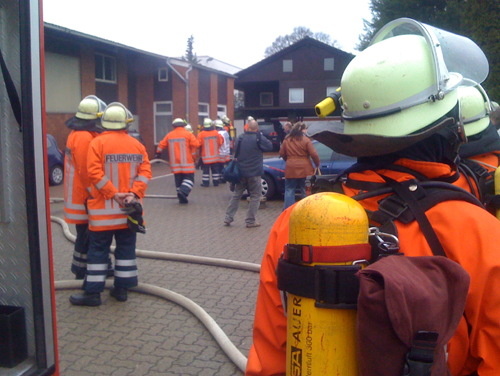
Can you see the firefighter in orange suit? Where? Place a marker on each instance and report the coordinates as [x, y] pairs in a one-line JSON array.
[[210, 141], [182, 145], [386, 146], [84, 128], [119, 170], [230, 130]]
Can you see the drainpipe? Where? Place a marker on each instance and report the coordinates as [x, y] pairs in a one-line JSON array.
[[186, 82]]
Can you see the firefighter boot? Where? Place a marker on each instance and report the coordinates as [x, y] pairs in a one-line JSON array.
[[119, 293], [86, 299]]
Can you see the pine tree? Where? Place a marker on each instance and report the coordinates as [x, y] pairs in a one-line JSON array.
[[190, 57]]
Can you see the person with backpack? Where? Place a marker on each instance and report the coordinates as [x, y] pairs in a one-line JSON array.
[[401, 115]]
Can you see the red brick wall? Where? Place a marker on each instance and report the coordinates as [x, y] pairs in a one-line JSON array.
[[145, 110], [179, 97], [230, 98], [122, 80], [87, 70], [193, 99], [213, 96]]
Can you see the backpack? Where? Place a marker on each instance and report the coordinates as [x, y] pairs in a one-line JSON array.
[[420, 352]]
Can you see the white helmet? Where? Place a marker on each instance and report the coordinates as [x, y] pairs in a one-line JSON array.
[[189, 128], [395, 93], [225, 119], [219, 123], [116, 117], [207, 123], [475, 109], [178, 123], [90, 107]]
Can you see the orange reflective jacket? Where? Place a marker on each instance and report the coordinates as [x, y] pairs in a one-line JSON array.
[[181, 146], [116, 162], [210, 142], [76, 181], [468, 234]]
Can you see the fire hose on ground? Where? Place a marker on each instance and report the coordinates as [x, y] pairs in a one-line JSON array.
[[220, 337]]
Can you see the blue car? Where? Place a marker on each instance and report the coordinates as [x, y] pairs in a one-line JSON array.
[[56, 161], [273, 180]]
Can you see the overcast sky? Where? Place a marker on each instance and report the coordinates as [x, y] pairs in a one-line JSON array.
[[236, 32]]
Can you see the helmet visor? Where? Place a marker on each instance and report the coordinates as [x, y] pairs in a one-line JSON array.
[[453, 54]]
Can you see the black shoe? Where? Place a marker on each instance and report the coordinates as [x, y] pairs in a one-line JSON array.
[[204, 185], [119, 293], [86, 299], [182, 197]]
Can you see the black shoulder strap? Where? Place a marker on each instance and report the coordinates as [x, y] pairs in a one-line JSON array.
[[11, 91], [258, 141], [237, 151]]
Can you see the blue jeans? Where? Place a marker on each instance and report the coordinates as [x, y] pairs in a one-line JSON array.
[[290, 186]]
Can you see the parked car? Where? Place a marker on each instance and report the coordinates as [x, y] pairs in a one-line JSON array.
[[267, 129], [135, 134], [56, 161], [331, 163]]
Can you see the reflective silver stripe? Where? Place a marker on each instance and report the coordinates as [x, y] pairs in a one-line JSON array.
[[79, 264], [115, 211], [188, 183], [414, 100], [96, 278], [108, 222], [70, 176], [102, 183], [159, 149], [125, 262], [143, 179], [89, 189], [69, 205], [82, 217], [129, 274], [97, 266], [209, 156], [80, 255]]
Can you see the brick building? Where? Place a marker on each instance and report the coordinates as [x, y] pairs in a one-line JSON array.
[[155, 88]]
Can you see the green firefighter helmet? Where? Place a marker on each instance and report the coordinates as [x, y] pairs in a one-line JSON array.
[[207, 123], [219, 123], [179, 123], [90, 107], [397, 92], [116, 117], [475, 109]]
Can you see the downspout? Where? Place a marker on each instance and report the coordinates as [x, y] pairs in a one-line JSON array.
[[186, 82]]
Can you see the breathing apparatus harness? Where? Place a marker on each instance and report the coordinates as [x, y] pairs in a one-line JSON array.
[[336, 286]]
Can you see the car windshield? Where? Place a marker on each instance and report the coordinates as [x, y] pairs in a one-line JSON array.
[[266, 128], [324, 152]]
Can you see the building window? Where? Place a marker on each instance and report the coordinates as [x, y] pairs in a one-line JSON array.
[[329, 64], [287, 65], [221, 110], [203, 112], [163, 120], [296, 95], [331, 89], [105, 68], [266, 99], [163, 74]]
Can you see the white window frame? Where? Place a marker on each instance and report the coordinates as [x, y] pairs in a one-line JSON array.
[[221, 110], [287, 66], [114, 73], [161, 113], [268, 103], [160, 71], [290, 92], [331, 89], [203, 114], [326, 64]]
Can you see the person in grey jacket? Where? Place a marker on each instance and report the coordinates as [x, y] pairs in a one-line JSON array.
[[250, 147]]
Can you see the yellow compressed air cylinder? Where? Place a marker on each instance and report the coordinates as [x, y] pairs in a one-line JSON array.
[[497, 187], [321, 341]]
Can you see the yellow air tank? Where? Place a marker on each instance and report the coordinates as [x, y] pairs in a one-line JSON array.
[[321, 341], [497, 187]]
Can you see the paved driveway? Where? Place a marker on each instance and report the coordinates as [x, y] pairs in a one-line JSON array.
[[148, 335]]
